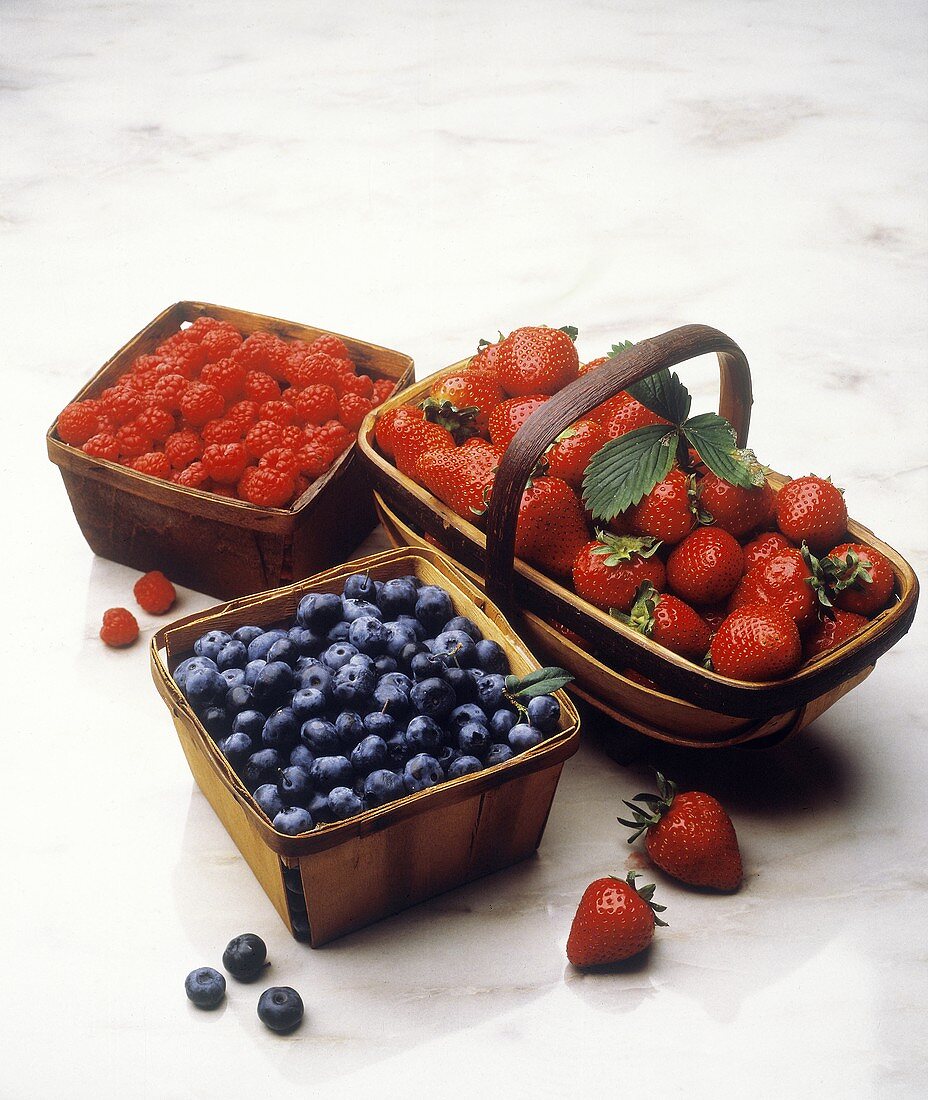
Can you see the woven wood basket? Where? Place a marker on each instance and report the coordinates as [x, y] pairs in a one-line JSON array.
[[206, 542], [343, 876], [691, 706]]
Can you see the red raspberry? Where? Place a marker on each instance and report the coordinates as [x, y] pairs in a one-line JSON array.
[[168, 391], [77, 423], [158, 423], [222, 430], [205, 324], [201, 403], [262, 437], [383, 388], [227, 376], [104, 445], [225, 462], [314, 459], [263, 351], [331, 345], [122, 403], [154, 593], [316, 369], [182, 448], [194, 477], [119, 627], [154, 463], [221, 342], [244, 414], [266, 487], [133, 441], [361, 384], [260, 387], [282, 459], [316, 404], [279, 411], [177, 341], [292, 437], [229, 491], [352, 408], [336, 436]]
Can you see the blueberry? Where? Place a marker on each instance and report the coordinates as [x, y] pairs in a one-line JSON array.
[[414, 625], [379, 723], [461, 622], [320, 737], [319, 808], [390, 697], [302, 755], [523, 736], [423, 734], [420, 772], [369, 755], [205, 987], [491, 691], [458, 648], [463, 681], [280, 1008], [234, 677], [433, 607], [474, 739], [491, 657], [446, 755], [397, 597], [338, 655], [284, 650], [397, 749], [215, 722], [261, 767], [252, 669], [359, 586], [189, 665], [544, 713], [353, 684], [464, 765], [308, 642], [258, 647], [268, 798], [319, 610], [412, 579], [466, 712], [338, 633], [236, 748], [398, 636], [383, 786], [385, 664], [350, 729], [313, 676], [307, 703], [294, 785], [368, 635], [363, 660], [357, 609], [245, 957], [210, 643], [344, 803], [250, 722], [232, 655], [331, 771], [293, 820], [501, 722], [203, 687], [498, 754], [272, 685], [281, 731], [397, 679], [433, 697], [247, 634]]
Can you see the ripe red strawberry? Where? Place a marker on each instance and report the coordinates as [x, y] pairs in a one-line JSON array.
[[389, 427], [536, 360], [570, 454], [764, 547], [486, 358], [734, 508], [609, 571], [785, 582], [551, 530], [861, 578], [460, 476], [614, 921], [585, 368], [509, 416], [706, 566], [625, 417], [603, 412], [668, 512], [812, 510], [828, 632], [413, 439], [669, 622], [462, 402], [690, 836], [757, 642]]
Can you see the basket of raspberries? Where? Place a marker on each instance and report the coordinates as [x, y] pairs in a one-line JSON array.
[[369, 738], [217, 445], [694, 594]]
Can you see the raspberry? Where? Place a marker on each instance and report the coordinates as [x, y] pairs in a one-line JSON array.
[[154, 593], [292, 437], [260, 387], [222, 430], [244, 414], [205, 324], [154, 463], [104, 445], [119, 627], [263, 351], [221, 342], [282, 459], [122, 403], [331, 345], [314, 459], [279, 411], [383, 388], [262, 437], [316, 404], [316, 368], [133, 441], [194, 477], [77, 423], [229, 491], [360, 384], [182, 448], [352, 408], [266, 487], [336, 436], [158, 423], [201, 403], [168, 391], [227, 376], [225, 462]]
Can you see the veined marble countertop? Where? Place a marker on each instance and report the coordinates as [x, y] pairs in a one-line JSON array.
[[420, 175]]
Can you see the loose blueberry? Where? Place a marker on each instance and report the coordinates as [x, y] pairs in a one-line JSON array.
[[234, 677], [398, 636], [338, 655], [280, 1008], [414, 625], [498, 754], [420, 772], [491, 691], [446, 755], [369, 755], [302, 756], [320, 737], [210, 643], [268, 798], [390, 697], [353, 684], [236, 748], [232, 655], [385, 664], [314, 675], [397, 749], [544, 713], [523, 736], [466, 712], [294, 785], [491, 656], [284, 650], [245, 957], [463, 682], [319, 808], [338, 633], [189, 665], [216, 722], [426, 666], [293, 821], [458, 648], [252, 669], [261, 767], [368, 635], [331, 771], [319, 611], [308, 642], [258, 648], [357, 609], [350, 729], [344, 803], [464, 765], [383, 786], [380, 724], [205, 987]]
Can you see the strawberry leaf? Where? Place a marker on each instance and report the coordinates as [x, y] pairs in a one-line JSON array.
[[663, 393], [714, 440], [571, 330], [623, 470], [616, 349], [543, 681]]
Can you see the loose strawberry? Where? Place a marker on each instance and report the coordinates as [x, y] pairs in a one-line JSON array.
[[416, 438], [735, 509], [812, 510], [784, 581], [461, 402], [757, 643], [536, 360], [609, 571], [669, 622], [831, 631], [551, 530], [860, 577], [668, 512], [509, 416], [460, 476], [764, 547], [706, 566], [614, 921], [569, 455], [690, 836]]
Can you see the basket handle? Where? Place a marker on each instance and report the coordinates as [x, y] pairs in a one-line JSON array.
[[580, 397]]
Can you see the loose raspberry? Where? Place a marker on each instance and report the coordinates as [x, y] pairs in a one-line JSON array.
[[201, 403], [122, 403], [133, 441], [222, 430], [262, 437], [316, 369], [360, 384], [244, 414], [282, 459], [221, 342], [194, 477], [154, 463], [260, 386], [77, 423], [383, 388], [182, 448], [154, 593], [119, 627], [352, 408], [266, 487], [225, 462], [330, 345], [316, 404], [158, 423], [168, 391], [263, 351], [104, 445], [314, 459], [279, 411], [227, 376]]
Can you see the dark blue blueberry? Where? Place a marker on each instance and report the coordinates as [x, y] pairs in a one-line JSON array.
[[205, 987], [379, 723], [247, 634], [216, 722], [408, 653], [464, 765], [458, 648], [204, 687], [385, 664], [433, 607], [397, 597], [433, 697], [474, 739], [544, 713], [369, 755], [357, 609], [252, 669], [498, 754], [383, 786], [308, 703], [397, 679], [258, 647], [188, 666], [464, 683], [236, 748], [281, 731], [397, 751], [293, 820], [280, 1008], [344, 803], [412, 579], [308, 642], [319, 808], [466, 712], [303, 755], [420, 772], [364, 660], [294, 785], [234, 677], [350, 729], [331, 771], [353, 684], [425, 666], [501, 722], [314, 676], [423, 734], [461, 622], [360, 586], [491, 691], [414, 625], [338, 633], [491, 656], [261, 767], [250, 722], [390, 697], [211, 643], [284, 650], [368, 635], [268, 798], [272, 685], [245, 957], [446, 755], [398, 636], [319, 611], [232, 655], [338, 655], [523, 736], [320, 737]]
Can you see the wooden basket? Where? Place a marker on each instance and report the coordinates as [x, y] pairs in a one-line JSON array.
[[343, 876], [207, 542], [692, 706]]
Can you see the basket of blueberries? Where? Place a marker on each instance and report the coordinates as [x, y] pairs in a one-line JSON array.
[[370, 737]]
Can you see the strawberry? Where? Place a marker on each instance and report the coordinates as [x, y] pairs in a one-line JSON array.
[[551, 530], [669, 622], [757, 642], [764, 547], [690, 836], [603, 412], [585, 368], [609, 571], [706, 566], [831, 631], [536, 360], [735, 509], [569, 455], [461, 402], [667, 512], [861, 578], [785, 582], [623, 418], [486, 358], [460, 476], [812, 510], [509, 416], [416, 438], [614, 921], [390, 426]]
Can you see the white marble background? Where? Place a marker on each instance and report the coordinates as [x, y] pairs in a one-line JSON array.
[[420, 175]]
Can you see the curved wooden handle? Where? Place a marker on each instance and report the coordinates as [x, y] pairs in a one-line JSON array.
[[580, 397]]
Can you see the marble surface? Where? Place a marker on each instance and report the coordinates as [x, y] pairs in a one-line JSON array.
[[420, 175]]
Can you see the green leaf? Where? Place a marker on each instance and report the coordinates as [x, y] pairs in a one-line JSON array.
[[714, 440], [543, 681], [617, 349], [624, 469], [663, 393], [572, 331]]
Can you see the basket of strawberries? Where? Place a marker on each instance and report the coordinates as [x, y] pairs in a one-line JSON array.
[[695, 595]]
